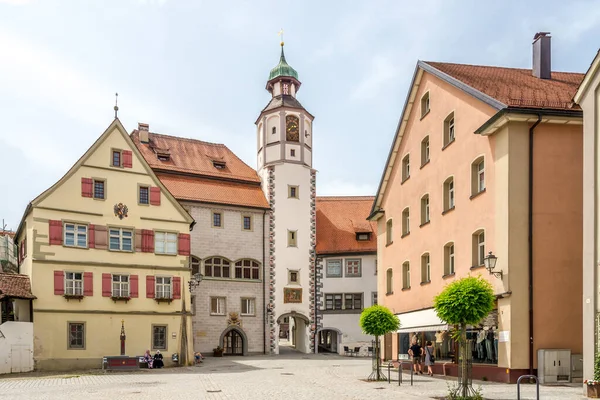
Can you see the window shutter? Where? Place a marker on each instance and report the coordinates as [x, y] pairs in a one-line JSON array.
[[138, 240], [184, 244], [88, 284], [59, 282], [100, 237], [127, 159], [106, 285], [133, 286], [155, 196], [147, 241], [87, 187], [56, 236], [150, 286], [91, 236], [176, 287]]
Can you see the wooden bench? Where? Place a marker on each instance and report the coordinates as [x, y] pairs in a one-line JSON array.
[[120, 362]]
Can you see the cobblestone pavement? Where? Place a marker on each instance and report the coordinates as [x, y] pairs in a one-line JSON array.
[[292, 375]]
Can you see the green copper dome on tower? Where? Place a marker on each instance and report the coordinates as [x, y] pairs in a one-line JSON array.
[[283, 68]]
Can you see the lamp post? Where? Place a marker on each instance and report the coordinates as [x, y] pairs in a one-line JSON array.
[[195, 281], [490, 265]]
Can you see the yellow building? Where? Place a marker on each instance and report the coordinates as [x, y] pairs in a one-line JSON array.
[[107, 247]]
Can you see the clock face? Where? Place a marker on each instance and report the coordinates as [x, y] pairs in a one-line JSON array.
[[292, 129]]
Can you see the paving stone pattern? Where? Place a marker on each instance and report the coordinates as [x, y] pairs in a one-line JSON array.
[[290, 375]]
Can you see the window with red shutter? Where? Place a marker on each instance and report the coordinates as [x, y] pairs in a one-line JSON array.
[[88, 284], [59, 282], [87, 185], [147, 241], [184, 244], [150, 286], [176, 287], [127, 159], [155, 196], [91, 236], [106, 285], [134, 288], [56, 236]]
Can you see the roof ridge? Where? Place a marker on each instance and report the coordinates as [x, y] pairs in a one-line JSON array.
[[496, 67], [345, 197], [186, 139]]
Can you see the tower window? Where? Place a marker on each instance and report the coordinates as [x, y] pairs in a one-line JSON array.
[[274, 130], [293, 153], [286, 88], [292, 240], [292, 192]]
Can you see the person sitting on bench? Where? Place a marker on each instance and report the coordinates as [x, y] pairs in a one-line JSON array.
[[158, 360], [198, 357], [148, 359]]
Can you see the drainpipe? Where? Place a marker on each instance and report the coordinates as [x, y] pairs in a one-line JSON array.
[[264, 288], [530, 244]]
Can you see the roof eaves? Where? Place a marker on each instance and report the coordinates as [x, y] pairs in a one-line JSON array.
[[379, 194], [498, 105], [505, 113], [591, 72]]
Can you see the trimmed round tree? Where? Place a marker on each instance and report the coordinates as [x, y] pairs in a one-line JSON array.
[[377, 321], [464, 302]]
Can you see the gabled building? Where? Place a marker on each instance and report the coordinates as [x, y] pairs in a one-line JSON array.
[[106, 249], [588, 98], [486, 161], [347, 275]]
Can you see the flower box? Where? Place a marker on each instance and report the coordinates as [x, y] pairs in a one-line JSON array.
[[593, 389], [120, 298], [218, 352], [73, 296]]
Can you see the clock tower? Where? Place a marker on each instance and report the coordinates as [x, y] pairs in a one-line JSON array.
[[284, 157]]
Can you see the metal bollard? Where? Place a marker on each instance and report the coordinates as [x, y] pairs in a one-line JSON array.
[[537, 386], [399, 373], [412, 371], [389, 374]]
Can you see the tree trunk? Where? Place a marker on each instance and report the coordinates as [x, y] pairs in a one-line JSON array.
[[378, 358], [463, 361]]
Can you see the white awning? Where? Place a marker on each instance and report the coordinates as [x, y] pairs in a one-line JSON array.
[[421, 321]]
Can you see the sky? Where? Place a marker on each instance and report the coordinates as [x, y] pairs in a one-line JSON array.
[[198, 69]]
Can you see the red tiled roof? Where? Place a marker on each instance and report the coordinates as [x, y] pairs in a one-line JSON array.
[[16, 286], [214, 190], [517, 87], [338, 221], [193, 157]]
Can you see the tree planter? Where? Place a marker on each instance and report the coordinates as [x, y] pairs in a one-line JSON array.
[[218, 352], [593, 391]]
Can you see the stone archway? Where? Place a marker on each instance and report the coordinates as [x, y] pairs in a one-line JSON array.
[[293, 331], [329, 339], [230, 341]]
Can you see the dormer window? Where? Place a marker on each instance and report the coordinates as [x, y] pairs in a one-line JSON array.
[[163, 157], [219, 164], [361, 237]]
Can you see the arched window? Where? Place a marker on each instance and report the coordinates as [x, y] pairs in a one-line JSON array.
[[478, 176], [247, 269], [217, 267], [425, 268], [449, 259], [389, 277], [478, 248], [194, 264]]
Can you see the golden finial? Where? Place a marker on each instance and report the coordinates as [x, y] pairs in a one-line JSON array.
[[281, 34]]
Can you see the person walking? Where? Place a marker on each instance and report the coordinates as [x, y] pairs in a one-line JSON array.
[[416, 351], [429, 357]]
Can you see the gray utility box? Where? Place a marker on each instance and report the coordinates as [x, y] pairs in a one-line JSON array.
[[554, 366]]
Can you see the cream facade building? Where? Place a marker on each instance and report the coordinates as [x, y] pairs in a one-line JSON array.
[[588, 97], [107, 251], [473, 169]]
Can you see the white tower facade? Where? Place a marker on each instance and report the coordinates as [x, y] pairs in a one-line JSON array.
[[284, 157]]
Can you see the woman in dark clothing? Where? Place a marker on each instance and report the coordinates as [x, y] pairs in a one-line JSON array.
[[428, 357], [158, 360]]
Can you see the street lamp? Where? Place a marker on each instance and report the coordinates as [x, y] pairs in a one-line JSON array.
[[490, 265], [195, 281]]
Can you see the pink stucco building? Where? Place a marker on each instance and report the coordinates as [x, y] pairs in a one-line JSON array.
[[485, 159]]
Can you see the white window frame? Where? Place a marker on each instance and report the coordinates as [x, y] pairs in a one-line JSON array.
[[374, 298], [451, 135], [480, 248], [426, 150], [123, 289], [425, 207], [425, 105], [451, 268], [73, 285], [76, 234], [389, 232], [451, 194], [250, 304], [426, 268], [118, 233], [405, 221], [220, 308], [389, 281], [406, 275], [164, 288], [481, 176], [406, 167], [333, 275], [162, 241]]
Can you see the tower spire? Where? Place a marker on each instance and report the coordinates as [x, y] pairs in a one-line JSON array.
[[116, 108]]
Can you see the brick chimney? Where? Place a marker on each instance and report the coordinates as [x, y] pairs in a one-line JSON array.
[[542, 66], [143, 130]]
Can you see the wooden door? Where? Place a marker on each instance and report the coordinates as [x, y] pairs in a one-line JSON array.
[[387, 347]]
